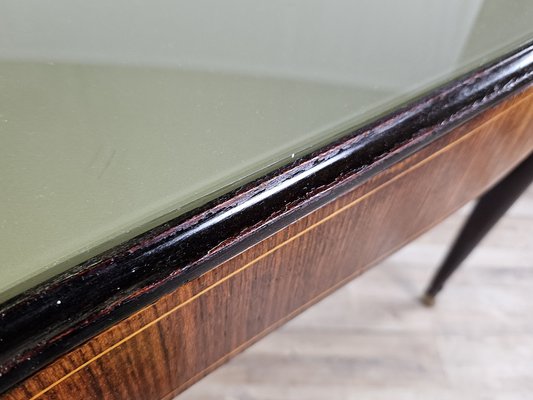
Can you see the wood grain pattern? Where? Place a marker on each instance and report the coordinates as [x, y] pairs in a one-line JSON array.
[[491, 206], [36, 329], [360, 342], [167, 346]]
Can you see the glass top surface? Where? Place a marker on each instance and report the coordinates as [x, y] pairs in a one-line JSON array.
[[118, 115]]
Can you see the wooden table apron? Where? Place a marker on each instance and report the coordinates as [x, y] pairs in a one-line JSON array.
[[165, 347]]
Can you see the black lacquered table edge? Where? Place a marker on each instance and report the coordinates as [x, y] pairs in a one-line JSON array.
[[36, 328]]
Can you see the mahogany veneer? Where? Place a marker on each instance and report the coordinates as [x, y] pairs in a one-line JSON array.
[[165, 347]]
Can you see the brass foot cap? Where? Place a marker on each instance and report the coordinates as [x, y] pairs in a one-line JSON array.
[[427, 300]]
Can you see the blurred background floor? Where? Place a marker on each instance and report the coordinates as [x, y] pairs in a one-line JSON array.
[[373, 340]]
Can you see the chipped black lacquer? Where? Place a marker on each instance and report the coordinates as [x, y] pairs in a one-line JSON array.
[[35, 328]]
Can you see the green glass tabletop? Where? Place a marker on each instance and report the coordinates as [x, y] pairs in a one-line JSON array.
[[118, 115]]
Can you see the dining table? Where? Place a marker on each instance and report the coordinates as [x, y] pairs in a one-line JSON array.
[[180, 178]]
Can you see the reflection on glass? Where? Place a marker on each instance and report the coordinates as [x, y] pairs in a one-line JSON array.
[[115, 116]]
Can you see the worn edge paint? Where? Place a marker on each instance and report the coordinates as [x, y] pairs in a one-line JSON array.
[[45, 322]]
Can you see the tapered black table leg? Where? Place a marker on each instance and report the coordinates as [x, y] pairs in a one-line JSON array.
[[489, 209]]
